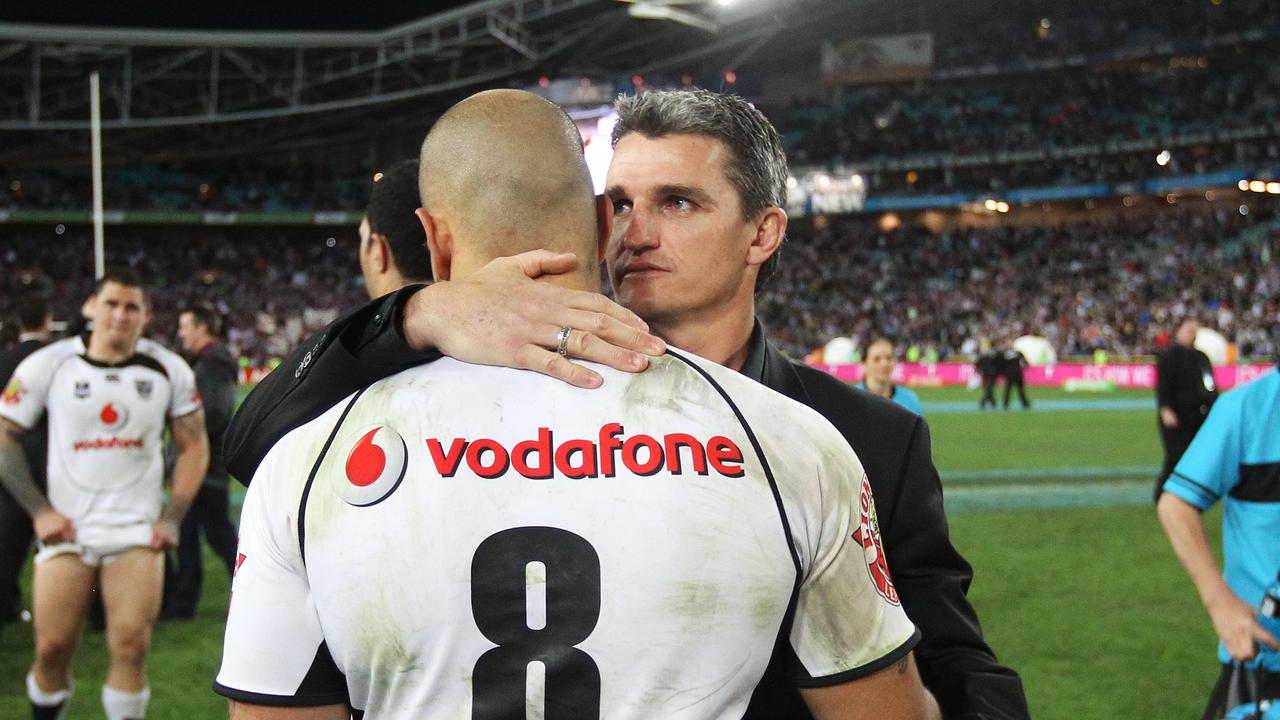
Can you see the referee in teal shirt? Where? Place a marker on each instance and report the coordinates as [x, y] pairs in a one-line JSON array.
[[877, 376]]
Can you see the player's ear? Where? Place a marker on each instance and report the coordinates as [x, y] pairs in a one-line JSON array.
[[381, 249], [770, 228], [439, 244], [604, 223]]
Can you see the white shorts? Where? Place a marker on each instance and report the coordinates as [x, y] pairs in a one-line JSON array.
[[97, 546]]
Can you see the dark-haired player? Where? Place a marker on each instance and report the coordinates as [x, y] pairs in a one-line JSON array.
[[108, 396]]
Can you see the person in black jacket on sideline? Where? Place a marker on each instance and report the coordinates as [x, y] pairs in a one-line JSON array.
[[198, 330], [686, 254], [1013, 363], [1185, 390], [16, 532]]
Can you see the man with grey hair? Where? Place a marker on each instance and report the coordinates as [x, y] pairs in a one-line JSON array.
[[698, 183]]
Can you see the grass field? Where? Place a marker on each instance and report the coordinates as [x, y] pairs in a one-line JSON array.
[[1075, 584]]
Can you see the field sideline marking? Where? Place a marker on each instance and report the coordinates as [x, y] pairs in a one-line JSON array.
[[954, 407], [1066, 472], [1042, 496]]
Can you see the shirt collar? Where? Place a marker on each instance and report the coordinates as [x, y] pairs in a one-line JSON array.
[[753, 366]]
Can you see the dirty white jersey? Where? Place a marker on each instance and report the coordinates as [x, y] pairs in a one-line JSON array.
[[461, 541], [105, 465]]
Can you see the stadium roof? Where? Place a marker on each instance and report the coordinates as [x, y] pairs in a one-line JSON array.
[[171, 93]]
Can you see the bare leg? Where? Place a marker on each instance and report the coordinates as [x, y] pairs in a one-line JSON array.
[[62, 589], [131, 589]]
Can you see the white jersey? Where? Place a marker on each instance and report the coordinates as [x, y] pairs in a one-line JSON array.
[[105, 466], [464, 541]]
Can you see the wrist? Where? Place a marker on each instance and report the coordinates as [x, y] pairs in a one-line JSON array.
[[415, 320]]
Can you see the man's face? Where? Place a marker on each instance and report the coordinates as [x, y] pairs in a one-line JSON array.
[[1186, 334], [679, 245], [191, 333], [120, 312], [879, 362]]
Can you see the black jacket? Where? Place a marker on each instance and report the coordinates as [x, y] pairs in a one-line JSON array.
[[931, 576], [892, 442], [1184, 382], [34, 443], [215, 372]]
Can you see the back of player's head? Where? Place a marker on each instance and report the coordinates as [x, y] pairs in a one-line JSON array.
[[32, 309], [757, 165], [393, 200], [506, 168], [121, 275], [204, 314]]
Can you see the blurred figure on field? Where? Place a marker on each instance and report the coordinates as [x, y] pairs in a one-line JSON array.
[[877, 375], [199, 328], [1185, 390], [988, 367], [1012, 363], [16, 532]]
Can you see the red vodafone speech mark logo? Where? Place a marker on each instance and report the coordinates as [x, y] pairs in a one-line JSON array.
[[868, 536], [112, 417], [366, 461], [375, 466]]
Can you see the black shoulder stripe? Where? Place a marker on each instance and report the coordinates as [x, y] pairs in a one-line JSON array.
[[1259, 482], [324, 684], [145, 361], [306, 490], [764, 462]]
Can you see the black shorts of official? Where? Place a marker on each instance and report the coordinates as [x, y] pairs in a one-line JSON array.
[[1268, 687]]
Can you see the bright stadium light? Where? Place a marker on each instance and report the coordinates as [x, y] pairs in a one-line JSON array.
[[1243, 185], [1273, 188], [1257, 186], [1163, 158], [1002, 206], [990, 205]]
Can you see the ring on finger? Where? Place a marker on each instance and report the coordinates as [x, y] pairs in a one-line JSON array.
[[562, 341]]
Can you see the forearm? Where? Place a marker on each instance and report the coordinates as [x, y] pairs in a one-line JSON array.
[[188, 475], [15, 475], [1182, 524]]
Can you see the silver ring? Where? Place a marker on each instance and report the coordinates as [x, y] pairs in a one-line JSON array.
[[562, 341]]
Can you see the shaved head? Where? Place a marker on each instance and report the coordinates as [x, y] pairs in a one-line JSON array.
[[505, 170]]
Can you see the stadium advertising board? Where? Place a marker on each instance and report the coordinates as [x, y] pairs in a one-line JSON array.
[[877, 59], [1120, 375]]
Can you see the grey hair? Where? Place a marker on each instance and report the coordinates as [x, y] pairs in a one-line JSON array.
[[757, 167]]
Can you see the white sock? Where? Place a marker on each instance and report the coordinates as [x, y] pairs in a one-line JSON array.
[[44, 699], [122, 705]]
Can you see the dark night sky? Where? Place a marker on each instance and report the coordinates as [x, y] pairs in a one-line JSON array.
[[224, 14]]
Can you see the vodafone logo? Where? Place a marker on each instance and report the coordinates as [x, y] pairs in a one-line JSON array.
[[868, 535], [113, 417], [374, 467]]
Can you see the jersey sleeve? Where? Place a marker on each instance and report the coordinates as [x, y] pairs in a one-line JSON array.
[[27, 392], [849, 622], [274, 651], [186, 396], [1210, 467]]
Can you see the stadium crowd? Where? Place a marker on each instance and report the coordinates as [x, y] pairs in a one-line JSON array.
[[272, 293], [1113, 284], [1072, 109]]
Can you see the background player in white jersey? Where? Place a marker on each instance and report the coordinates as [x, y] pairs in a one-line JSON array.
[[424, 547], [108, 397]]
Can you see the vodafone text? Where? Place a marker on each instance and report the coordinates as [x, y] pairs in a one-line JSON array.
[[542, 457], [110, 443]]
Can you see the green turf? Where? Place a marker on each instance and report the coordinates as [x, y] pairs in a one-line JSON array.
[[184, 659], [1087, 603]]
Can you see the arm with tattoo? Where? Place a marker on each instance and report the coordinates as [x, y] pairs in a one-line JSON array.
[[15, 476], [192, 441], [15, 471]]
